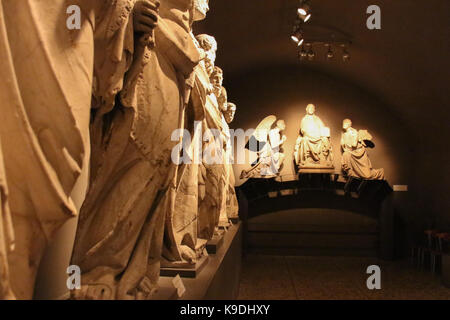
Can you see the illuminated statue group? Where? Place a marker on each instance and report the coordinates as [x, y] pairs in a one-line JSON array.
[[313, 151]]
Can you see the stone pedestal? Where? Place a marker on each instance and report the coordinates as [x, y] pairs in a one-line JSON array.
[[215, 243], [191, 271], [219, 279]]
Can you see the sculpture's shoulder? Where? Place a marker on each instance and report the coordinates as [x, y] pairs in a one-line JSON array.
[[304, 121]]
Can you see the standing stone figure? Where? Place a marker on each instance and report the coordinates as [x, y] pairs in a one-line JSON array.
[[120, 233], [267, 142], [355, 160], [211, 170], [232, 207], [313, 147], [46, 100], [224, 145], [186, 232]]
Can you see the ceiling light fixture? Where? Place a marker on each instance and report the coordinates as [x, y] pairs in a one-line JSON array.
[[345, 54], [297, 37], [304, 11], [311, 53], [330, 54], [303, 54]]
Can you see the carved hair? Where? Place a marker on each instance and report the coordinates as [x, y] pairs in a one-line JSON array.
[[217, 71], [231, 106], [310, 106], [347, 121], [207, 42], [281, 124]]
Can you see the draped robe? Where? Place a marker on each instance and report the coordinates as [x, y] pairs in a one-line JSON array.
[[120, 234], [355, 160], [46, 98], [312, 144]]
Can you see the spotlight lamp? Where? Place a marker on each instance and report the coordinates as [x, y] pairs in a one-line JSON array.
[[345, 54], [297, 37], [311, 53], [303, 54], [330, 54], [304, 11]]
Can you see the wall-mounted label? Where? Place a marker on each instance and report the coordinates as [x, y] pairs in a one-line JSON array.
[[400, 188], [179, 285]]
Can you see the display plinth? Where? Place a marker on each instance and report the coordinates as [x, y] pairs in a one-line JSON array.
[[215, 243], [224, 225], [316, 170], [219, 280], [185, 271]]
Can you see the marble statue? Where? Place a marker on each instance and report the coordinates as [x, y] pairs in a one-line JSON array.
[[183, 247], [46, 108], [267, 142], [313, 147], [355, 159], [219, 91], [209, 45], [6, 236], [132, 194], [211, 181], [232, 207]]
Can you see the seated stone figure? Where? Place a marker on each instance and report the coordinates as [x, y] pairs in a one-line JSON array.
[[267, 142], [313, 148], [355, 160]]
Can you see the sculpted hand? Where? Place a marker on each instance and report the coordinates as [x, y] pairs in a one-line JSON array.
[[145, 15]]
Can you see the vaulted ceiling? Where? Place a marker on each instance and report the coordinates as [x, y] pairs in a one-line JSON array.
[[405, 64]]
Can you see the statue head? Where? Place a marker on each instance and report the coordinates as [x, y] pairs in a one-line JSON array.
[[207, 42], [229, 112], [217, 80], [281, 125], [310, 109], [201, 8], [209, 45], [346, 124]]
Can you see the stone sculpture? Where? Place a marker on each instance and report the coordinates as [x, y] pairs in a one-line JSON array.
[[212, 170], [120, 234], [355, 159], [183, 247], [232, 207], [313, 147], [267, 142], [46, 110]]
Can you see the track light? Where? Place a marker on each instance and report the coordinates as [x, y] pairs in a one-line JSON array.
[[297, 37], [304, 11], [345, 54], [303, 54], [330, 54], [311, 53]]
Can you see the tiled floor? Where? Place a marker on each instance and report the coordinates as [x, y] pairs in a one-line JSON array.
[[278, 278]]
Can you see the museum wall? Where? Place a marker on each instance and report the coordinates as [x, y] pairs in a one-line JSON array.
[[433, 174]]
